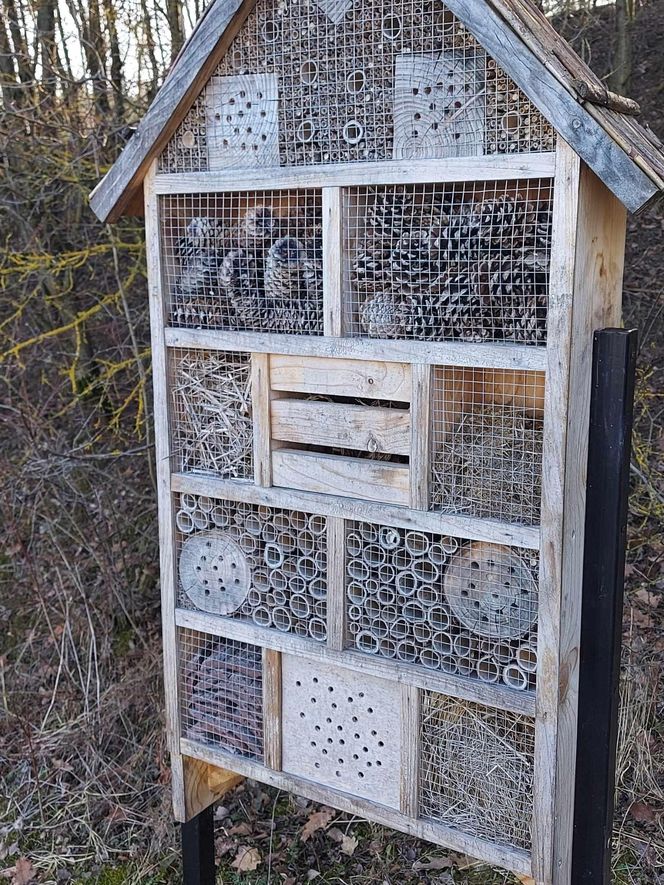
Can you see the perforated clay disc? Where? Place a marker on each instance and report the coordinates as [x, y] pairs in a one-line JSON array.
[[214, 572], [491, 591]]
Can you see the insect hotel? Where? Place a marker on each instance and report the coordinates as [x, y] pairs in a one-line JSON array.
[[379, 239]]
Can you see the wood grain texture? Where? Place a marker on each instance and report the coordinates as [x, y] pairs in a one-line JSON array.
[[204, 785], [420, 444], [573, 122], [341, 475], [410, 750], [260, 408], [364, 428], [336, 583], [452, 353], [513, 859], [332, 261], [467, 527], [272, 708], [242, 121], [497, 167], [561, 288], [355, 378], [187, 77], [164, 497], [467, 688]]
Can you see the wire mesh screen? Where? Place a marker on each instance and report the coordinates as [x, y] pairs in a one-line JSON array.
[[487, 432], [221, 693], [324, 81], [442, 262], [476, 769], [210, 418], [247, 261], [460, 607], [262, 564]]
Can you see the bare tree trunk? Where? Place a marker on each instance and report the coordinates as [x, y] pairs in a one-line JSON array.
[[174, 17], [21, 53], [8, 78], [48, 53], [95, 52], [150, 47], [622, 47], [116, 60]]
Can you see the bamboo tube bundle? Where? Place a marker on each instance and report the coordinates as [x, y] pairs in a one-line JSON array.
[[222, 697], [212, 424], [477, 769]]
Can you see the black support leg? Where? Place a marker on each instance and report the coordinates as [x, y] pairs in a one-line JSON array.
[[198, 865], [614, 361]]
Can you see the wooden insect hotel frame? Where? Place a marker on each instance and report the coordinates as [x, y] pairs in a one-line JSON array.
[[379, 239]]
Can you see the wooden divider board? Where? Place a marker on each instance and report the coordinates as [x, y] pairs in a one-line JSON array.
[[583, 294]]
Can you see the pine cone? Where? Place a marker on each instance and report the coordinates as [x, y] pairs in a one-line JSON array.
[[240, 278], [379, 316], [368, 271], [388, 212], [203, 235], [412, 264]]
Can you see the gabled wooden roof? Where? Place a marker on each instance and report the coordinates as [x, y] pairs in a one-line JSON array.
[[598, 125]]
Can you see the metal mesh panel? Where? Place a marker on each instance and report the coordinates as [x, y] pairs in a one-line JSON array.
[[327, 81], [211, 424], [487, 432], [258, 563], [221, 693], [248, 261], [460, 607], [441, 262], [476, 769], [187, 151]]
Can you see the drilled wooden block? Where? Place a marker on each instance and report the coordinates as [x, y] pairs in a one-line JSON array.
[[340, 729], [242, 121], [439, 105]]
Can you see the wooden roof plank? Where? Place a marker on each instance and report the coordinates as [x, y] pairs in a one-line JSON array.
[[187, 77], [583, 132]]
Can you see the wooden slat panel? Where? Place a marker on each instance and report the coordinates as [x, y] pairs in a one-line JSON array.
[[272, 708], [364, 428], [358, 378], [336, 583], [260, 407], [336, 475], [410, 750], [420, 445], [332, 269]]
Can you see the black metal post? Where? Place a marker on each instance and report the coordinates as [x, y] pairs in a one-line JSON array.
[[611, 411], [198, 867]]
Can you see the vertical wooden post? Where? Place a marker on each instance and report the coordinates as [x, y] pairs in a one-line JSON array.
[[332, 262], [198, 866], [611, 409]]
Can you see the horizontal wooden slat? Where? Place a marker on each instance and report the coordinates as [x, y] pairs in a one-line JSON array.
[[365, 428], [337, 475], [452, 353], [498, 167], [498, 696], [335, 377], [514, 859], [470, 528]]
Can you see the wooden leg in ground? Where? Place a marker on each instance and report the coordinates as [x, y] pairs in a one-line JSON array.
[[203, 785]]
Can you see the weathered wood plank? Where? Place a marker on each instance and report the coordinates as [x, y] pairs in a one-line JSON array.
[[364, 428], [339, 475], [260, 407], [332, 263], [336, 583], [499, 168], [272, 708], [410, 750], [356, 378], [420, 445], [467, 527], [453, 353]]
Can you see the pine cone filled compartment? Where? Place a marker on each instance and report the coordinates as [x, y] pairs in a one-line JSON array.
[[448, 262], [248, 262], [221, 693]]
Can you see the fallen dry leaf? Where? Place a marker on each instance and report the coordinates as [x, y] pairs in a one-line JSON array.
[[335, 834], [435, 863], [348, 845], [643, 813], [312, 874], [317, 821], [242, 829], [246, 859], [24, 872]]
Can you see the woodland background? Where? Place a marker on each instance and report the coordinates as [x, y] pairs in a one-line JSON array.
[[83, 767]]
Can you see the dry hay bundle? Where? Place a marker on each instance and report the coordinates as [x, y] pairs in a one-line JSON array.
[[477, 769], [213, 423], [491, 466], [223, 697]]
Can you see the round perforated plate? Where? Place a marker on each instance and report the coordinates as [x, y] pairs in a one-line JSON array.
[[214, 572], [491, 591]]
